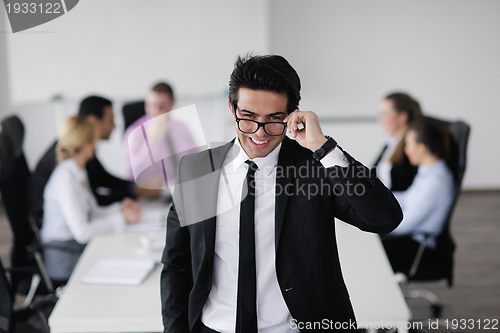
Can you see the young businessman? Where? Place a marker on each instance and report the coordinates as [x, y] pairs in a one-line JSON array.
[[171, 138], [251, 235]]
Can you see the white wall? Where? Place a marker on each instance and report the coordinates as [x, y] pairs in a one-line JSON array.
[[4, 75], [350, 53], [120, 47]]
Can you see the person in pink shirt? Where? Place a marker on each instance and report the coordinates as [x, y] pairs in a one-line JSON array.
[[154, 144]]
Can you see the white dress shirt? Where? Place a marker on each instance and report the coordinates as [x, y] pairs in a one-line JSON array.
[[219, 312], [70, 210], [384, 167], [426, 203]]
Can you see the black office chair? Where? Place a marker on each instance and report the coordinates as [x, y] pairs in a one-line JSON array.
[[28, 274], [439, 265], [131, 112], [32, 319]]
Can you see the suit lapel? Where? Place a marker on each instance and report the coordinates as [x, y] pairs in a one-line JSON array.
[[211, 187], [284, 181]]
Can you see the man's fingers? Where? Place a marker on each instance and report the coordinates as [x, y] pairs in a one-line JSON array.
[[294, 121]]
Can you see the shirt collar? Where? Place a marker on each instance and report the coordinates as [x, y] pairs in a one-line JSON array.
[[74, 168], [393, 140], [440, 164], [266, 164]]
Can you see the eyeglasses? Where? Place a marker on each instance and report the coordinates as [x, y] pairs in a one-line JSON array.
[[251, 126]]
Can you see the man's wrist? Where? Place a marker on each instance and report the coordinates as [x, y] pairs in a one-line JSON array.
[[319, 143], [328, 145]]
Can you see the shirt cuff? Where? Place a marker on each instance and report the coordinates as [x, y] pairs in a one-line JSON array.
[[335, 158], [119, 222], [116, 217]]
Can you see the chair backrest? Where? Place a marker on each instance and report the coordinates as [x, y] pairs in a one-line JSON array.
[[132, 111], [6, 301], [443, 264], [11, 145], [14, 178], [460, 132]]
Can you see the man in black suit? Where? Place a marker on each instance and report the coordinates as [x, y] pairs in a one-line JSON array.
[[105, 187], [251, 235]]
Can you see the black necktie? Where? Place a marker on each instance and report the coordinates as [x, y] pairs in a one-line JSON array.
[[246, 310]]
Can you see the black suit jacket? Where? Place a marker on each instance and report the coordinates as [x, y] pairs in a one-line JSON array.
[[402, 174], [98, 177], [307, 263]]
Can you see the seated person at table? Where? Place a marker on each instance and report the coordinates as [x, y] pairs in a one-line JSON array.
[[105, 187], [397, 112], [427, 201], [170, 138], [71, 213]]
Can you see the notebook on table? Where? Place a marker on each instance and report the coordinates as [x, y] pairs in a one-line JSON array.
[[119, 271]]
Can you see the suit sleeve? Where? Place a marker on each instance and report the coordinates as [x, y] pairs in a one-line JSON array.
[[99, 177], [362, 200], [176, 276]]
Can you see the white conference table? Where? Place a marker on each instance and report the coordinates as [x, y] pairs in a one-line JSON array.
[[375, 296]]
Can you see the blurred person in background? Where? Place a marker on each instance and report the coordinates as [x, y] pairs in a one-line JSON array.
[[106, 188], [72, 215], [168, 137], [397, 112], [427, 201]]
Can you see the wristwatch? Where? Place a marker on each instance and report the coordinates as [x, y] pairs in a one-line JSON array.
[[325, 149]]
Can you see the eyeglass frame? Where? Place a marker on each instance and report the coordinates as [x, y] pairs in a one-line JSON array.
[[259, 125]]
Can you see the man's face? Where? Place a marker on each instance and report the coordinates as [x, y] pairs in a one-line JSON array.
[[261, 106], [106, 124], [158, 103]]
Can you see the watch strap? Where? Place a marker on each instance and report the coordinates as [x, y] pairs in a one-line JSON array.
[[325, 149]]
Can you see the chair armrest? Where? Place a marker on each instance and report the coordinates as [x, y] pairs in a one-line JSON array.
[[418, 256]]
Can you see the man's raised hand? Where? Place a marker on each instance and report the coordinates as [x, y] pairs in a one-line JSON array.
[[310, 135]]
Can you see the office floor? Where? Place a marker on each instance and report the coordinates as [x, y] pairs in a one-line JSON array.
[[476, 291]]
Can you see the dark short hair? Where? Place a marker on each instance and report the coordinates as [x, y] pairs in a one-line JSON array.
[[163, 88], [93, 105], [268, 73], [405, 103], [436, 138]]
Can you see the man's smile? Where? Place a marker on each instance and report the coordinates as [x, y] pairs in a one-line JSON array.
[[258, 142]]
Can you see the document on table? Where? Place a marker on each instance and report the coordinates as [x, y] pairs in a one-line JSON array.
[[151, 220], [119, 271]]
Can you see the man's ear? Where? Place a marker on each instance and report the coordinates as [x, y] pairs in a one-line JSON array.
[[171, 106], [231, 108], [403, 117], [93, 118]]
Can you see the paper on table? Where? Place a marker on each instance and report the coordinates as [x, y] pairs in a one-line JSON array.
[[119, 271], [151, 220]]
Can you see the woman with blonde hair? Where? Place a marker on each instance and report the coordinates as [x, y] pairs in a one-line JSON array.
[[71, 213]]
